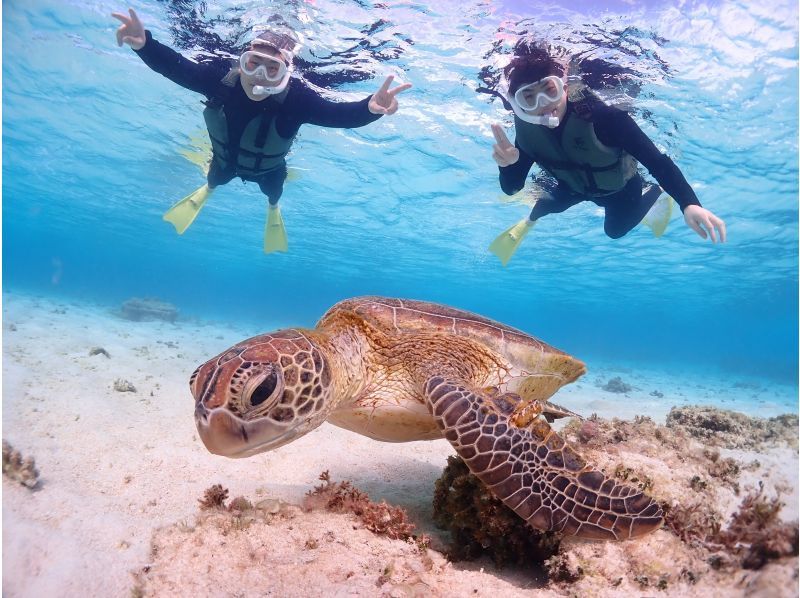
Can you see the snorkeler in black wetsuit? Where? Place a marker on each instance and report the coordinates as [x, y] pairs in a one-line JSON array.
[[591, 150], [253, 113]]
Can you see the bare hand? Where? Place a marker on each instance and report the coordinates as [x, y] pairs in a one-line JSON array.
[[505, 154], [131, 31], [383, 101], [705, 223]]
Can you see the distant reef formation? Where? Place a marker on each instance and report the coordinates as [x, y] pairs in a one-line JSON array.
[[141, 309], [731, 429]]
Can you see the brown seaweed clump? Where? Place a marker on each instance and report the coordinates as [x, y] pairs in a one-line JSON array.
[[342, 497], [729, 429], [480, 524], [754, 536], [214, 497], [758, 534], [22, 470]]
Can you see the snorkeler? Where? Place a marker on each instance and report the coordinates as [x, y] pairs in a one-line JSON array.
[[592, 150], [253, 113]]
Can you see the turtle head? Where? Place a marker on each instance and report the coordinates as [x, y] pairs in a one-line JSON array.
[[261, 394]]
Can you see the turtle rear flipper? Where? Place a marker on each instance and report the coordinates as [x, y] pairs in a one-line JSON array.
[[532, 470]]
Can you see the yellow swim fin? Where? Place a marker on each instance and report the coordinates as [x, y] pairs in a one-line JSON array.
[[201, 159], [657, 218], [506, 244], [294, 174], [275, 233], [198, 152], [183, 213]]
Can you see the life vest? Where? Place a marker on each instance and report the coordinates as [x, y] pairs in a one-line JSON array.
[[260, 148], [573, 154]]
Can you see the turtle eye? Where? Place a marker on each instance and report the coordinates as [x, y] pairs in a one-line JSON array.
[[264, 389]]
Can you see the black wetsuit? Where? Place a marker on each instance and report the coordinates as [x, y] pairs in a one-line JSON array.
[[625, 208], [301, 106]]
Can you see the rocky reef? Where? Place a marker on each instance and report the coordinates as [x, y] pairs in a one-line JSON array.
[[715, 529], [726, 531]]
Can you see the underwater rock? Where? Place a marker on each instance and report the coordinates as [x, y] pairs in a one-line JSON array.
[[729, 429], [138, 310], [617, 385], [295, 552], [657, 393], [121, 385], [702, 538], [98, 351], [480, 524], [21, 470]]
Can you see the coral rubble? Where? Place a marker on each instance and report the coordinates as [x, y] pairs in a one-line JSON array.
[[22, 470], [122, 385]]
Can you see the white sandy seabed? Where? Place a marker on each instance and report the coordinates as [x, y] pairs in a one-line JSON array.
[[116, 466]]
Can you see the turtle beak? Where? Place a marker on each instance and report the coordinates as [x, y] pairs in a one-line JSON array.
[[227, 435], [220, 432]]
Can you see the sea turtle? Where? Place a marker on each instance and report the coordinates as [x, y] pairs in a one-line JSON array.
[[401, 370]]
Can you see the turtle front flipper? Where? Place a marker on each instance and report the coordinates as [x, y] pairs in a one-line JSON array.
[[532, 470]]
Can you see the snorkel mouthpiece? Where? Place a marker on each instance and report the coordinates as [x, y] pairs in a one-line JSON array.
[[548, 121]]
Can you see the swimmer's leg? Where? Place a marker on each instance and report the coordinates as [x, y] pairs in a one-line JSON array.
[[626, 209]]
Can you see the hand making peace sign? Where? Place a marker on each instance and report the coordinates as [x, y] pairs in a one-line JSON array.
[[505, 154], [383, 101], [131, 31]]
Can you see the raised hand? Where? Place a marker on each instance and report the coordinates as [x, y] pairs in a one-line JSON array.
[[131, 31], [705, 223], [383, 101], [505, 154]]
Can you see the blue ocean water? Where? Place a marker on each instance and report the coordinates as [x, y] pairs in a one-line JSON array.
[[407, 206]]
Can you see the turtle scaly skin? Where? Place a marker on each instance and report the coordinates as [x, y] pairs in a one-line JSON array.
[[399, 370]]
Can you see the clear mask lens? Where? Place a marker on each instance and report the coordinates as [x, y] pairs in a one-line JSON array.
[[539, 94], [264, 66]]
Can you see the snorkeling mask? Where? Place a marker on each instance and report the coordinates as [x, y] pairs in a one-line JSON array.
[[267, 68], [536, 95]]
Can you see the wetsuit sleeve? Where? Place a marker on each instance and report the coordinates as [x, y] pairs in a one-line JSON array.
[[616, 128], [202, 78], [512, 178], [305, 106]]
